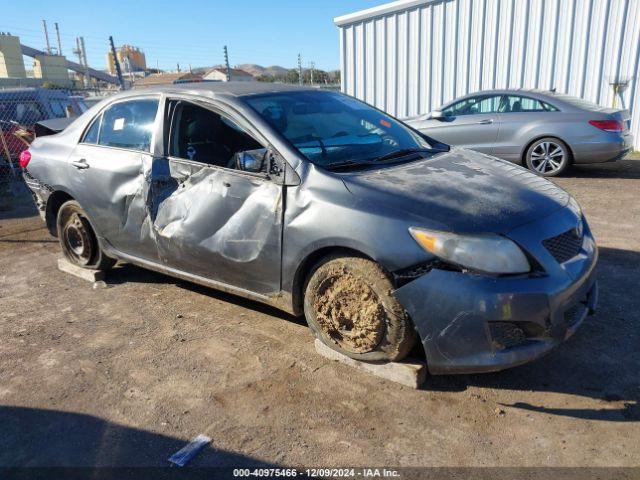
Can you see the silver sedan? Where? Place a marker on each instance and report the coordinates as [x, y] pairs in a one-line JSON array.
[[545, 131]]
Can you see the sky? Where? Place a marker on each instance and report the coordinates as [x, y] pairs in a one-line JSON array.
[[192, 32]]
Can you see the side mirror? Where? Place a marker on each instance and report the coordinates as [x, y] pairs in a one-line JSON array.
[[437, 115], [251, 160]]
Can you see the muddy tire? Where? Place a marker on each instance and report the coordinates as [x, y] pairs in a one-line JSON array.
[[349, 305], [78, 240]]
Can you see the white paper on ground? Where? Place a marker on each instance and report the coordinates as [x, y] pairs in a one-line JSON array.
[[186, 453]]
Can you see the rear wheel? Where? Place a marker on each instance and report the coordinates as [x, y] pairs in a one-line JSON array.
[[78, 240], [548, 157], [349, 305]]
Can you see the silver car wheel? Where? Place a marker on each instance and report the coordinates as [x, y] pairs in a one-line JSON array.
[[548, 158]]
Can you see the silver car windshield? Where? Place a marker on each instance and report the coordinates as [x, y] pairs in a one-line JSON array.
[[332, 129]]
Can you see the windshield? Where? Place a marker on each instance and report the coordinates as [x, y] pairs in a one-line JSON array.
[[332, 129]]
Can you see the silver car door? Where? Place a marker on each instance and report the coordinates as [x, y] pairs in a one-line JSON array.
[[520, 115], [107, 174], [472, 123]]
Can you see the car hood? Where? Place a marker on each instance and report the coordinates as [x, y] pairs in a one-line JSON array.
[[461, 191]]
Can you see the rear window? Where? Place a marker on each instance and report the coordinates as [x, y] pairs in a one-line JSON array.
[[129, 124]]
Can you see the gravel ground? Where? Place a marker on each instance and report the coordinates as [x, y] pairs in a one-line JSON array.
[[124, 375]]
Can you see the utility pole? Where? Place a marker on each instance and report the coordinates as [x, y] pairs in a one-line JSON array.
[[58, 36], [226, 62], [313, 66], [84, 53], [116, 63], [299, 69], [84, 62], [78, 51], [46, 36]]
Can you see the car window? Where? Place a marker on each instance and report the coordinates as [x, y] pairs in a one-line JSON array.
[[129, 124], [473, 106], [517, 104], [91, 135], [202, 135]]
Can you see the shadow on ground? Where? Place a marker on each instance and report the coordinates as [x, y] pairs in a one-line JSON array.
[[126, 273], [601, 361], [37, 438], [627, 168]]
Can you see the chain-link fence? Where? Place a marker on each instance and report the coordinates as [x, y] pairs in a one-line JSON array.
[[20, 110]]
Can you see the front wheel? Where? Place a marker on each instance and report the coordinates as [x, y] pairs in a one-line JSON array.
[[349, 305], [548, 157], [78, 240]]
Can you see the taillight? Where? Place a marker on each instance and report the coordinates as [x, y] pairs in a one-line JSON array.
[[24, 158], [608, 125]]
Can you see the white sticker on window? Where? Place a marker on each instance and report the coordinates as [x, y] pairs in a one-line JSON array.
[[118, 124]]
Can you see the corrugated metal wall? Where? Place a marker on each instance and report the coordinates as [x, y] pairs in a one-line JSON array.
[[410, 57]]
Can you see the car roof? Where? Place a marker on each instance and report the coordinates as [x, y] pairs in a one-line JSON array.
[[566, 102], [509, 91], [210, 89]]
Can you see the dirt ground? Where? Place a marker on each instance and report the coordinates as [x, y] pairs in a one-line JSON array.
[[124, 375]]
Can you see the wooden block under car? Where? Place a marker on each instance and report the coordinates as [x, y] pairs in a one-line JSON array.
[[409, 373]]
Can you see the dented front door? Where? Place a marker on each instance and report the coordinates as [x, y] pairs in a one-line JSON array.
[[218, 223]]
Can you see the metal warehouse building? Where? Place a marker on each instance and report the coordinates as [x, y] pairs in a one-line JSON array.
[[411, 56]]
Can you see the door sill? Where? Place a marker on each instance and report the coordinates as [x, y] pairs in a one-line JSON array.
[[276, 299]]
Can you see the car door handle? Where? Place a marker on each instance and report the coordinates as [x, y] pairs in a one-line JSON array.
[[80, 164], [486, 121]]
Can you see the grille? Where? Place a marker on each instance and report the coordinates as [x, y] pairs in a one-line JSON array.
[[565, 246]]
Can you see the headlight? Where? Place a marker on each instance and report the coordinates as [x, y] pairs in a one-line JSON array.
[[486, 253]]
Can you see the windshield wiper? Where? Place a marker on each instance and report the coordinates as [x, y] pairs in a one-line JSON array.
[[350, 164], [347, 165], [400, 153]]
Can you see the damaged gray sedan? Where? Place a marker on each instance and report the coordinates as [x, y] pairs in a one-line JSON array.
[[324, 206]]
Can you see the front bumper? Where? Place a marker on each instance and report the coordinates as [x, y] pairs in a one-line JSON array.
[[453, 313], [462, 319]]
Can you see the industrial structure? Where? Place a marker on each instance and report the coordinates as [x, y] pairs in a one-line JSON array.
[[11, 63], [52, 68], [411, 56], [131, 59], [49, 64]]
